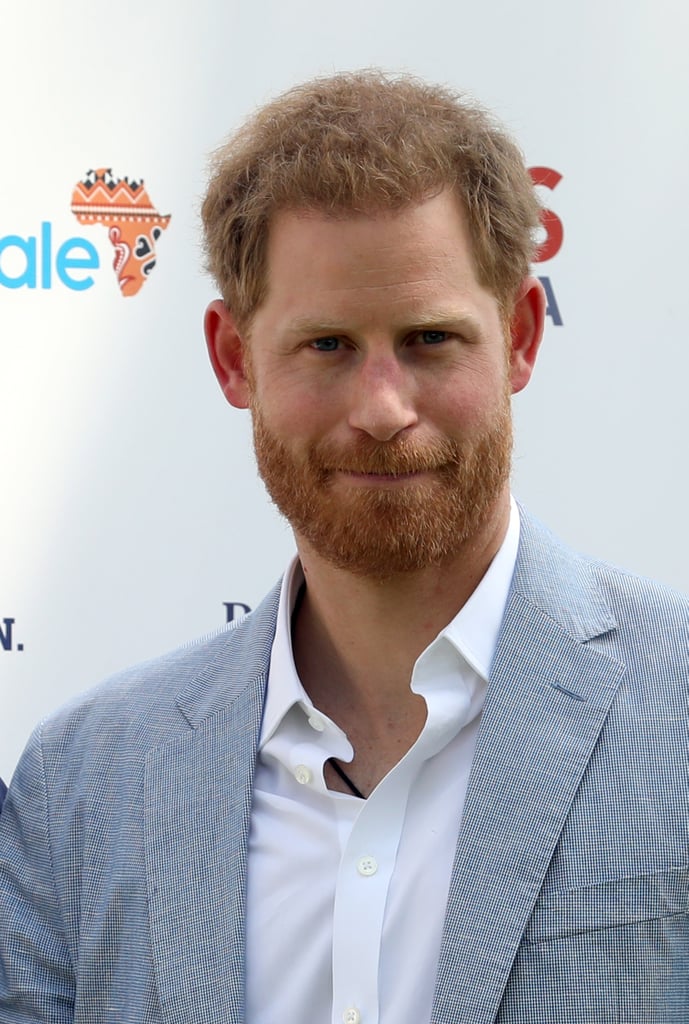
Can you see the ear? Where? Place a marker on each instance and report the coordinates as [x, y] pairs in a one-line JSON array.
[[226, 351], [526, 331]]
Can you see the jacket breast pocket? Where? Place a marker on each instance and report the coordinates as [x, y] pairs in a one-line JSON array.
[[610, 953], [611, 904]]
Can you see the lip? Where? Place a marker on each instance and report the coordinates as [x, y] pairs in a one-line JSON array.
[[381, 479]]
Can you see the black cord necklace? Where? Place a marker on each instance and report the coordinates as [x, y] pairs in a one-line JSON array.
[[345, 778]]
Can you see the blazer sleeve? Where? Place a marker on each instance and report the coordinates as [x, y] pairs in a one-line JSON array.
[[3, 793], [36, 971]]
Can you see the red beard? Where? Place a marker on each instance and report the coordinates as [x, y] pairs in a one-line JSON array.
[[381, 531]]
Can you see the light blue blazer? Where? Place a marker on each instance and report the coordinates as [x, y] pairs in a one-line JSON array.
[[123, 840]]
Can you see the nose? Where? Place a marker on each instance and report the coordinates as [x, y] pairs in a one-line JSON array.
[[382, 399]]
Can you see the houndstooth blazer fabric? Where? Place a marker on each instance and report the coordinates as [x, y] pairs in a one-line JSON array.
[[123, 838]]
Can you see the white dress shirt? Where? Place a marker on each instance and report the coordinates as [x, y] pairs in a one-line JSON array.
[[346, 897]]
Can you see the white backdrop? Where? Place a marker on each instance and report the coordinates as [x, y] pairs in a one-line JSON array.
[[130, 511]]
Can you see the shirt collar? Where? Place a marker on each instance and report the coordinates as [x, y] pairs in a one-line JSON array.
[[475, 628], [473, 632], [284, 686]]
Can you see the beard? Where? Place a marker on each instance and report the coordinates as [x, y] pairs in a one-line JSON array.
[[380, 532]]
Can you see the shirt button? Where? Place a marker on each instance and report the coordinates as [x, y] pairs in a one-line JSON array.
[[317, 723], [367, 866], [351, 1016], [302, 774]]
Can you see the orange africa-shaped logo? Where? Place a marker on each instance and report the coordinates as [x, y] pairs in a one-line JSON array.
[[134, 225]]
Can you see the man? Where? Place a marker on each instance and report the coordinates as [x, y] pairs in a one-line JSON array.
[[438, 774]]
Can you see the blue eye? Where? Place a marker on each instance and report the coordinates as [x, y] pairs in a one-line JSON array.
[[433, 337], [328, 344]]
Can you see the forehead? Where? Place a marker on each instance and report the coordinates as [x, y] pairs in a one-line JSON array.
[[420, 251]]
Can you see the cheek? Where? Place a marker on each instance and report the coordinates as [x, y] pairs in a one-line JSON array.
[[294, 407], [290, 417], [468, 403]]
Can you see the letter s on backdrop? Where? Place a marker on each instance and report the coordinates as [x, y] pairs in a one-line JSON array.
[[554, 232]]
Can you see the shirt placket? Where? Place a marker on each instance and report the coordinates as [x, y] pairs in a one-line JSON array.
[[370, 850], [365, 872]]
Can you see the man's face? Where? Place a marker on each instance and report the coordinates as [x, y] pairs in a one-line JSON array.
[[379, 381]]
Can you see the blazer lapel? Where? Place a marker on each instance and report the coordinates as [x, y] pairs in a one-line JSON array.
[[197, 808], [198, 802], [547, 700]]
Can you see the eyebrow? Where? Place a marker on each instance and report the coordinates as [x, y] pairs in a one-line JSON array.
[[448, 319], [307, 325], [421, 320]]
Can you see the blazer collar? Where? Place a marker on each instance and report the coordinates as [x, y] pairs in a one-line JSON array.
[[549, 692], [246, 644], [560, 582]]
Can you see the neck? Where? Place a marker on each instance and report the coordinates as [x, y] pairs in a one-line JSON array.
[[356, 639]]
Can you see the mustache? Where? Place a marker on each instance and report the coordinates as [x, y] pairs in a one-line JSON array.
[[387, 458]]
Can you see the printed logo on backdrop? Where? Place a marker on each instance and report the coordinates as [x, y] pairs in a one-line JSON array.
[[8, 636], [235, 610], [134, 225], [122, 207], [552, 240]]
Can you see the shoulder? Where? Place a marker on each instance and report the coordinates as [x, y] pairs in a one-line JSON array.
[[544, 558], [148, 703], [652, 631], [638, 597], [593, 598]]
